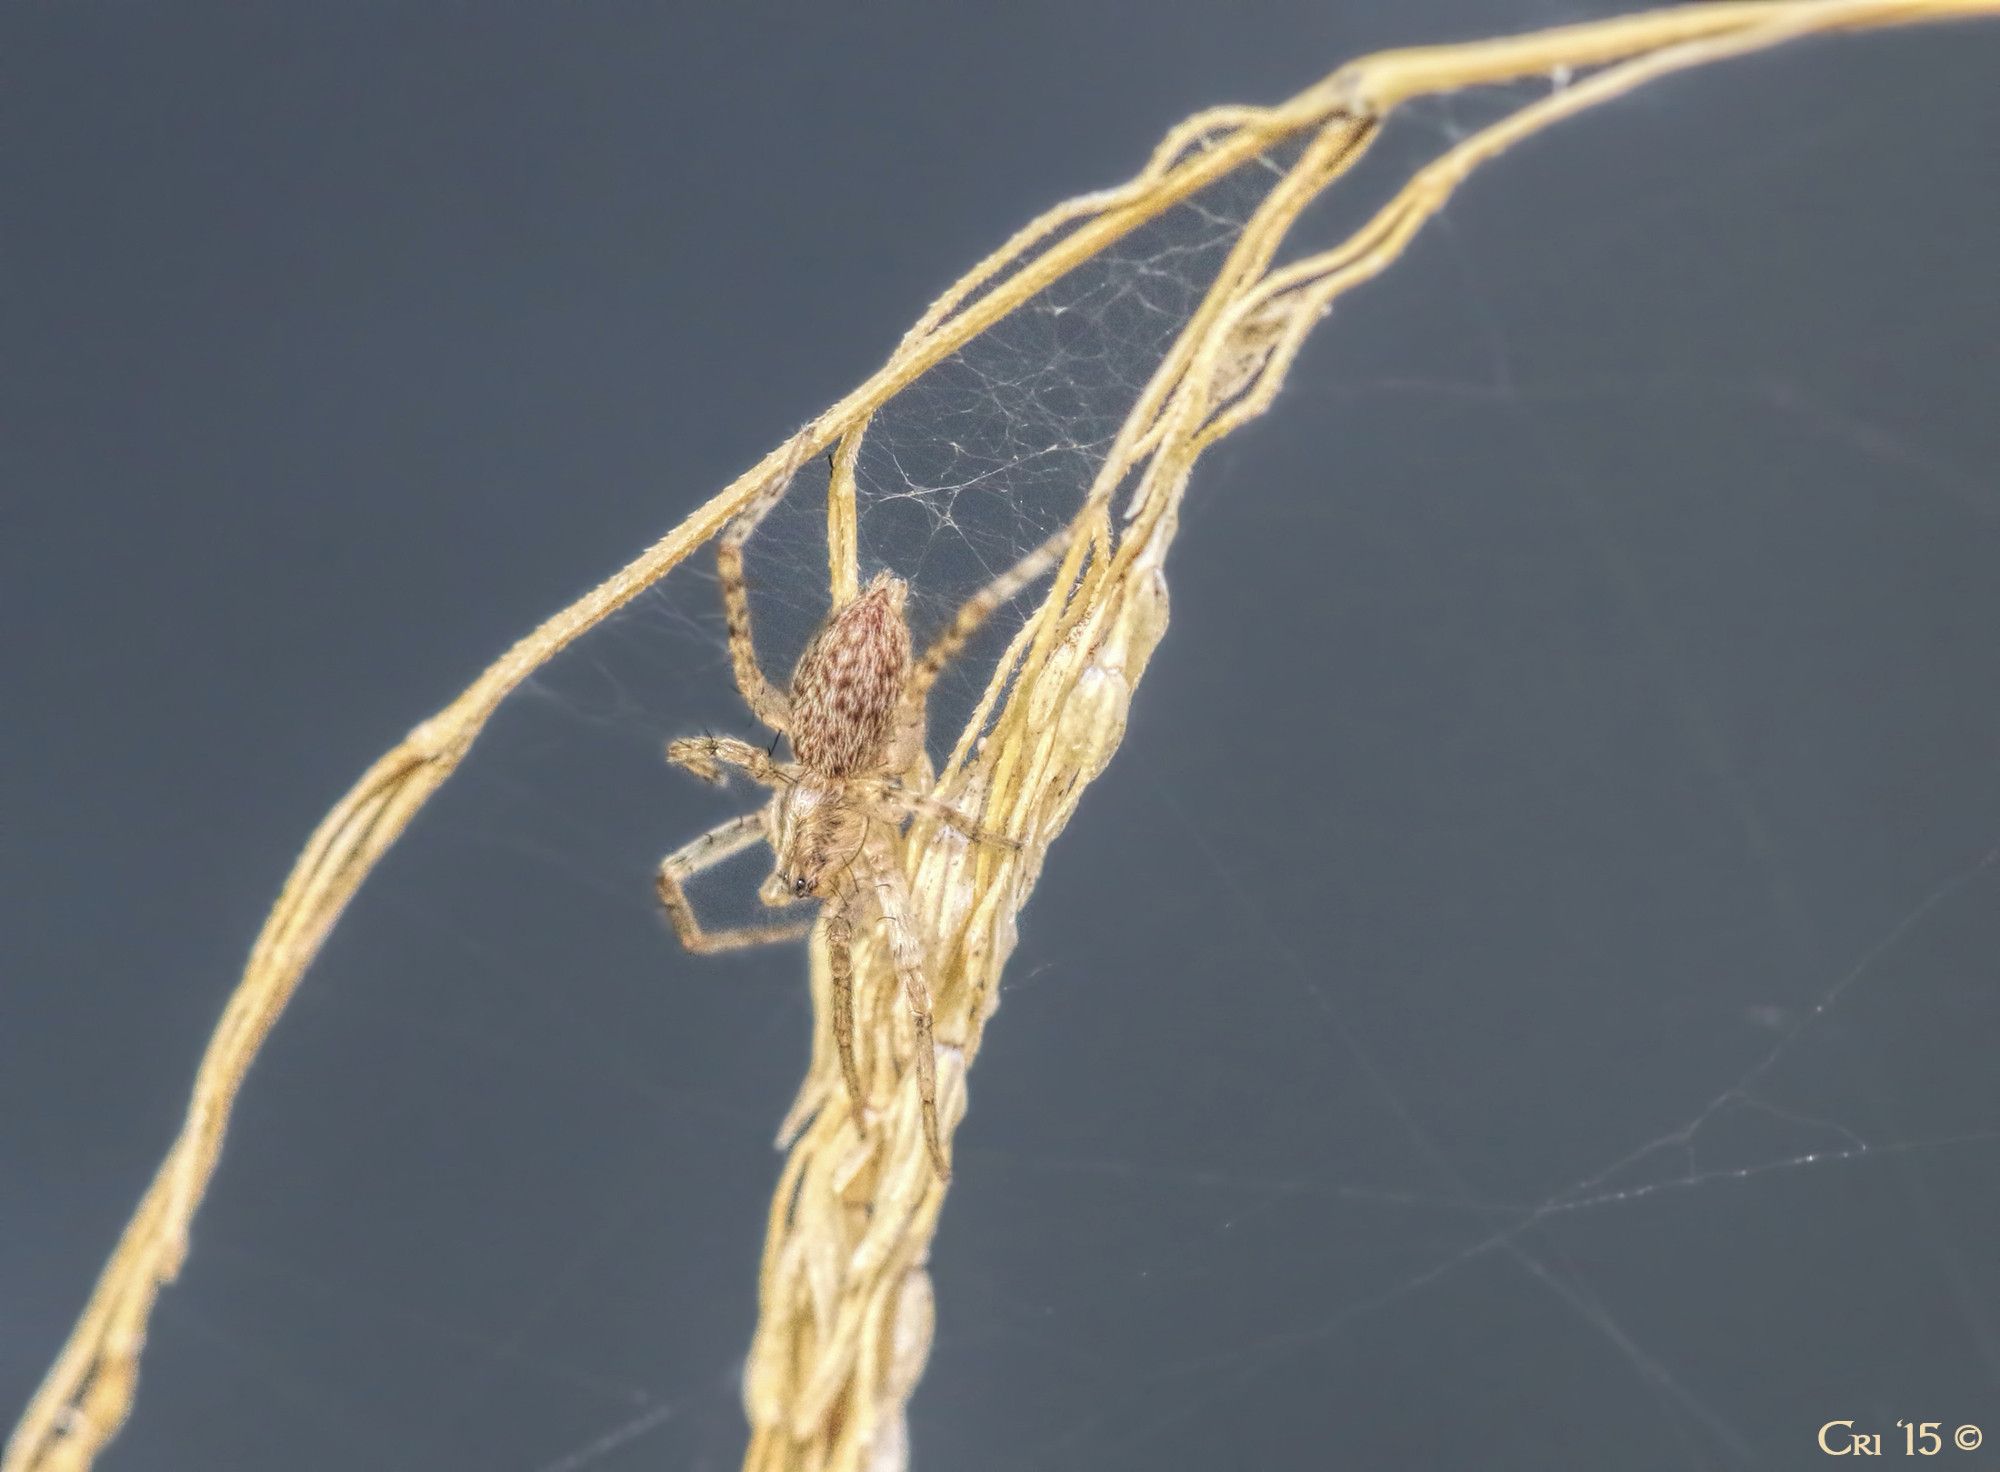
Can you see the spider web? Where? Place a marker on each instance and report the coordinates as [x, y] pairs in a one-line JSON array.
[[959, 476], [1522, 997]]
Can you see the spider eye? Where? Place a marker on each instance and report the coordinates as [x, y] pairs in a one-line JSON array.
[[800, 887]]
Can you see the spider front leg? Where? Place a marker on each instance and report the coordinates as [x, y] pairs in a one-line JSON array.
[[982, 605], [907, 757], [705, 852]]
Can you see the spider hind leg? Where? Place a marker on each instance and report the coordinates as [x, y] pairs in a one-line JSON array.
[[705, 852]]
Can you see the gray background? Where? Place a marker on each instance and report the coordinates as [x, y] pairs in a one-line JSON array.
[[1522, 997]]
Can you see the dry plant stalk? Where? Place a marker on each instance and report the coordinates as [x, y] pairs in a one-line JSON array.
[[846, 1302]]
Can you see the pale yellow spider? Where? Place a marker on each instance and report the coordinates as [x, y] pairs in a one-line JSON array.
[[855, 718]]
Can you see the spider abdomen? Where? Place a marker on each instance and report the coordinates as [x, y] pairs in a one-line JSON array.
[[849, 682]]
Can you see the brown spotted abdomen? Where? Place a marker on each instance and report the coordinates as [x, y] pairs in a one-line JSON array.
[[848, 683]]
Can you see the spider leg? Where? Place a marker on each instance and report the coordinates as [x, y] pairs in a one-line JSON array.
[[981, 606], [765, 700], [704, 852], [906, 953], [706, 756], [895, 802], [840, 961]]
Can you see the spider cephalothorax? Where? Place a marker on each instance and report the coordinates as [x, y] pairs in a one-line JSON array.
[[855, 719]]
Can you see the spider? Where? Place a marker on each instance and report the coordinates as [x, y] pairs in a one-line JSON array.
[[854, 715]]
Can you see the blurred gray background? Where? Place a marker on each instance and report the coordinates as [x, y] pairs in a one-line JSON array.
[[1523, 996]]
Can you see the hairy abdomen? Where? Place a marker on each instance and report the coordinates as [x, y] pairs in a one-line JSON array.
[[848, 683]]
